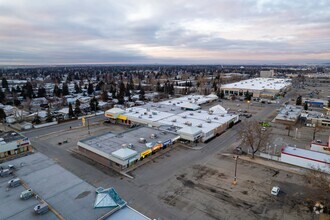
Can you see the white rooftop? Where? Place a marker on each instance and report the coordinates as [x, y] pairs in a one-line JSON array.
[[308, 154], [124, 153], [259, 84], [143, 113]]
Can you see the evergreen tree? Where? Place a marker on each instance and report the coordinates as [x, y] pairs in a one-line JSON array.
[[2, 97], [65, 89], [77, 88], [70, 111], [2, 115], [158, 88], [28, 90], [105, 96], [41, 92], [93, 104], [90, 89], [77, 110], [4, 83], [299, 100], [56, 91], [305, 106], [142, 93], [49, 117]]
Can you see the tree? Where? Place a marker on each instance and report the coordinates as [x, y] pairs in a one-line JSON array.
[[49, 117], [321, 182], [77, 88], [4, 83], [70, 111], [36, 119], [77, 110], [41, 92], [254, 136], [142, 93], [104, 96], [305, 106], [65, 89], [248, 95], [299, 100], [90, 89], [93, 104], [2, 115], [57, 91], [2, 97]]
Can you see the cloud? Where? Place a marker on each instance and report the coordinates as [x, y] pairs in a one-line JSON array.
[[145, 31]]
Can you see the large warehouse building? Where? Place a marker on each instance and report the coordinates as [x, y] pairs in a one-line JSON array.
[[257, 87], [181, 115]]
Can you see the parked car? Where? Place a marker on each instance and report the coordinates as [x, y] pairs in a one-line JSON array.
[[275, 190], [41, 208], [26, 194], [14, 182]]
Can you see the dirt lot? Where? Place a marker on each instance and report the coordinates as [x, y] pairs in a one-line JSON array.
[[206, 192]]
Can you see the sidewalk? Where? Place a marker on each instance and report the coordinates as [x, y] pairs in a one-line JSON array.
[[271, 163]]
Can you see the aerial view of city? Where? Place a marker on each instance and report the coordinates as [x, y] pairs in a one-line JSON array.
[[155, 110]]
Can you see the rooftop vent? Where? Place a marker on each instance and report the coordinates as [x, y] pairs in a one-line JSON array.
[[184, 116], [124, 145], [173, 120], [153, 136], [131, 110], [154, 113], [150, 116], [130, 146], [199, 111], [172, 109], [188, 123], [140, 116], [208, 120], [200, 125], [216, 118], [191, 113]]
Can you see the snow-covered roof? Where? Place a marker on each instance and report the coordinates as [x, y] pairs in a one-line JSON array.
[[307, 154], [218, 109], [259, 84]]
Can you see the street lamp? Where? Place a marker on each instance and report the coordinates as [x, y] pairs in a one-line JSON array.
[[248, 102], [235, 177]]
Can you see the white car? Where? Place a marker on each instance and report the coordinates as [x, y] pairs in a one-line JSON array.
[[275, 191]]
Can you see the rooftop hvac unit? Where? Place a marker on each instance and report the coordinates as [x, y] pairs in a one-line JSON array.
[[172, 109], [184, 116], [154, 113], [153, 136], [159, 106], [190, 102], [169, 101], [199, 111], [208, 120], [173, 120], [216, 118], [131, 110], [191, 113], [124, 145], [210, 112], [140, 116], [142, 140], [173, 103], [145, 113], [150, 116], [130, 146], [148, 109], [188, 123], [200, 125], [136, 112]]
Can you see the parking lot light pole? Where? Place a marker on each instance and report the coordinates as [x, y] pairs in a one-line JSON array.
[[235, 177]]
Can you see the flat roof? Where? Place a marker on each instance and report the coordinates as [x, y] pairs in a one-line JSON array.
[[259, 84], [11, 136], [109, 142], [146, 114], [307, 154], [127, 213], [124, 153], [69, 195], [289, 113], [194, 99]]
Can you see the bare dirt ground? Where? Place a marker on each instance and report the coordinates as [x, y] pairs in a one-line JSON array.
[[206, 192]]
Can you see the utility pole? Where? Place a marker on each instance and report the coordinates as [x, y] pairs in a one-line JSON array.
[[235, 177]]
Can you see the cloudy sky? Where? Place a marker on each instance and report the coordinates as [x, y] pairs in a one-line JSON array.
[[160, 31]]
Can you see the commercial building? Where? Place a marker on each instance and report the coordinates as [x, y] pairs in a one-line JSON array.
[[122, 150], [13, 144], [289, 114], [319, 103], [257, 87], [182, 116], [306, 158], [321, 147], [314, 118]]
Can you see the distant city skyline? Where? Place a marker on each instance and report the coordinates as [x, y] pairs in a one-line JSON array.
[[164, 32]]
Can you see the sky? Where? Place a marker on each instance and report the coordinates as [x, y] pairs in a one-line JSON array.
[[164, 32]]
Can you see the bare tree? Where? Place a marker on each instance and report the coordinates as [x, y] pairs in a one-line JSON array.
[[321, 182], [254, 135]]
